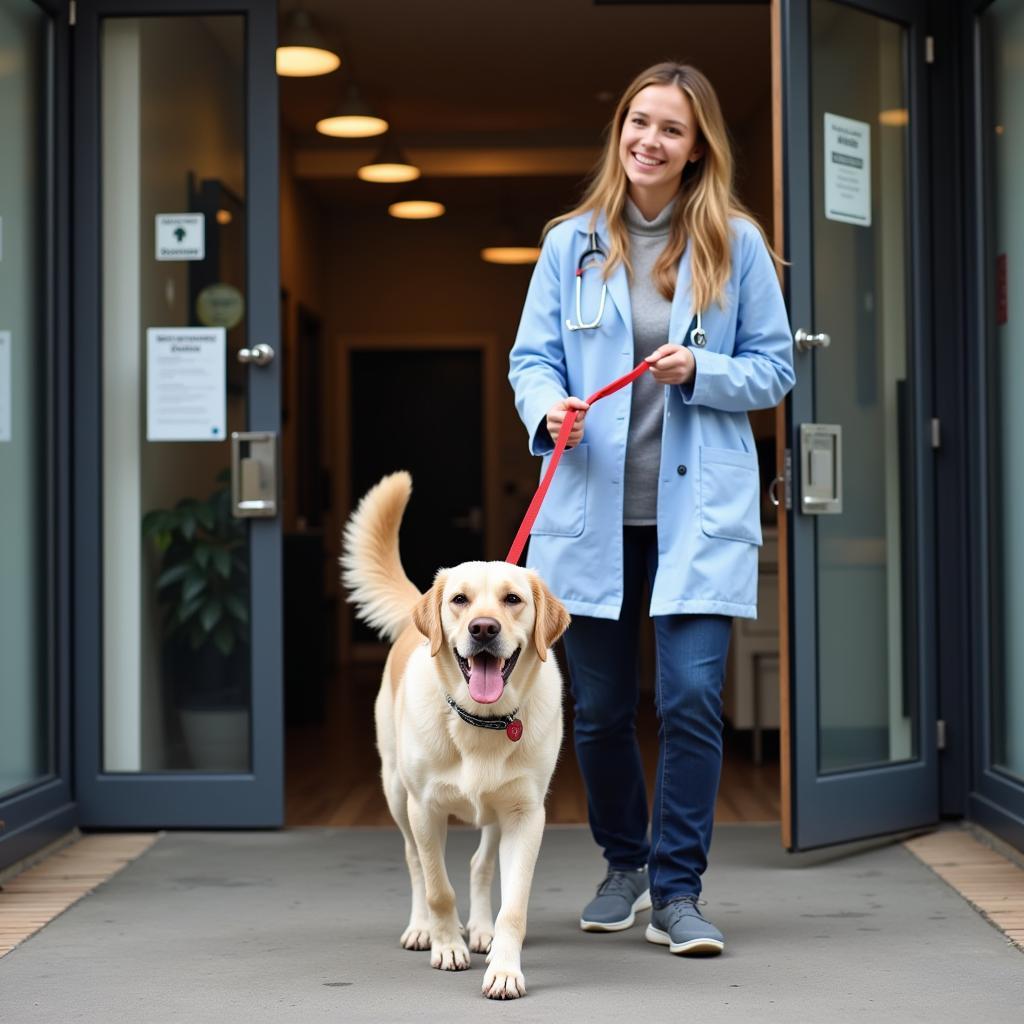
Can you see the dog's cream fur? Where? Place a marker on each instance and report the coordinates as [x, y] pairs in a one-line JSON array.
[[435, 764]]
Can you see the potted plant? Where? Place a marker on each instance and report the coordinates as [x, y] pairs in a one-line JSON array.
[[203, 589]]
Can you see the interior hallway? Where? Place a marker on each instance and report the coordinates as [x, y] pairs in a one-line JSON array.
[[332, 774]]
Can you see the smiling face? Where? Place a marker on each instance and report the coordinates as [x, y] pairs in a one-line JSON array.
[[659, 137], [490, 615]]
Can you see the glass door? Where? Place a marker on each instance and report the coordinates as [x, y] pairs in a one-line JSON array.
[[178, 589], [35, 773], [862, 750]]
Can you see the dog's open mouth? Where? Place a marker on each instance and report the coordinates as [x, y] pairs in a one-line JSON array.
[[487, 675]]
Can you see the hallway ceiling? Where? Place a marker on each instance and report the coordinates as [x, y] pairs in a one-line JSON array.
[[532, 83]]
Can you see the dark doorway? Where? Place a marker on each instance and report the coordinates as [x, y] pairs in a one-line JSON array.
[[422, 411]]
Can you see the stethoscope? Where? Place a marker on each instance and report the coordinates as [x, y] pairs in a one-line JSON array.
[[697, 335]]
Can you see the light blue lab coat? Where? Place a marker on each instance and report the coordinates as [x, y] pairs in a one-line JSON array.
[[709, 525]]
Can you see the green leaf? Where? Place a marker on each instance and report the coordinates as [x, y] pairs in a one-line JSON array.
[[224, 638], [195, 583], [206, 515], [171, 575], [151, 521], [222, 561], [236, 607], [211, 614], [188, 608], [188, 526], [202, 555]]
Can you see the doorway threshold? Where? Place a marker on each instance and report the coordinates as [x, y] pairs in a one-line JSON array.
[[988, 881], [33, 898]]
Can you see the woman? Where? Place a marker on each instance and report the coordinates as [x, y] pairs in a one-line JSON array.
[[661, 478]]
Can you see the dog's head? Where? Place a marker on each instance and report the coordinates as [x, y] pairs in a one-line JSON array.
[[489, 615]]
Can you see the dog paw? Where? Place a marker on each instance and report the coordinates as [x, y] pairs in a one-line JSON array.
[[416, 936], [449, 956], [480, 936], [504, 982]]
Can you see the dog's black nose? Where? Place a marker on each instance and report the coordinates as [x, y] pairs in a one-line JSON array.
[[484, 629]]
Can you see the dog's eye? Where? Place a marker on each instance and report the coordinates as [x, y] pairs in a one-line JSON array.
[[460, 599], [513, 599]]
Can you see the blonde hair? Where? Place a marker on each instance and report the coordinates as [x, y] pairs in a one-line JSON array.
[[705, 202]]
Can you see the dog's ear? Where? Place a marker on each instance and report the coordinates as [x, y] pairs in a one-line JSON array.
[[426, 613], [551, 618]]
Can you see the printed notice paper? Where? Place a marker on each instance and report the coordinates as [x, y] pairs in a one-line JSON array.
[[5, 385], [180, 236], [847, 170], [185, 385]]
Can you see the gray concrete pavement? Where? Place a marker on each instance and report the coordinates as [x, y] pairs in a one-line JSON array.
[[302, 925]]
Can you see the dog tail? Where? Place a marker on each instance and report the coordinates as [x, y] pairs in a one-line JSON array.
[[371, 567]]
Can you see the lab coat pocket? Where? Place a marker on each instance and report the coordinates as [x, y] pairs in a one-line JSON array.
[[564, 511], [729, 492]]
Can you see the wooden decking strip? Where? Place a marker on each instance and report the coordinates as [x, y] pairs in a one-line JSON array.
[[33, 898], [988, 881]]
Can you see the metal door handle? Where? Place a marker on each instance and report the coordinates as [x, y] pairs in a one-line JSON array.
[[254, 475], [806, 341], [260, 354]]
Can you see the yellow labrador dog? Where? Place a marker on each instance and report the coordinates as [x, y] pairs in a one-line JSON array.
[[469, 722]]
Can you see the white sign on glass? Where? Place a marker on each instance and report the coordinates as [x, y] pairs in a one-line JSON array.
[[185, 384], [5, 385], [847, 170], [180, 236]]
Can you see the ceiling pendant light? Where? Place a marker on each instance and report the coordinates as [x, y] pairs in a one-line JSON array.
[[511, 242], [353, 119], [302, 51], [389, 165], [510, 255], [416, 209]]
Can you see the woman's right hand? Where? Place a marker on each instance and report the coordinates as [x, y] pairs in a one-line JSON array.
[[556, 417]]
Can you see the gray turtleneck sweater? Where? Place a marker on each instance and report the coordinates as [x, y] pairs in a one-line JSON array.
[[651, 315]]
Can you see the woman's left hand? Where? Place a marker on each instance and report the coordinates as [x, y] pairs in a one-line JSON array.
[[672, 364]]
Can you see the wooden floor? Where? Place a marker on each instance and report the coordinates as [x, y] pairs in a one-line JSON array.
[[333, 771], [38, 894], [988, 881]]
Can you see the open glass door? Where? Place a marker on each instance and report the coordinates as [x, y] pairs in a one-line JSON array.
[[861, 753], [176, 284]]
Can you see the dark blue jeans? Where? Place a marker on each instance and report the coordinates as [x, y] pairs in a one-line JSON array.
[[691, 653]]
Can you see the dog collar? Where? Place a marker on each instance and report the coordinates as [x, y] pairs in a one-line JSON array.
[[512, 726]]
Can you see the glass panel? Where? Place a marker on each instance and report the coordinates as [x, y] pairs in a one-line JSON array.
[[26, 736], [1003, 142], [867, 705], [176, 691]]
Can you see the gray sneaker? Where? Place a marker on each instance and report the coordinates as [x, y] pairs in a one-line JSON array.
[[618, 898], [680, 926]]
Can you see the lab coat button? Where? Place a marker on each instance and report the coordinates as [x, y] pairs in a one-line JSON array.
[[681, 470]]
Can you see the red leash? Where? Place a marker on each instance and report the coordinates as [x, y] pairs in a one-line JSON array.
[[530, 518]]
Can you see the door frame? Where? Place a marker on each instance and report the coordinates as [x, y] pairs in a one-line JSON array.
[[192, 799], [345, 345], [995, 799], [838, 807]]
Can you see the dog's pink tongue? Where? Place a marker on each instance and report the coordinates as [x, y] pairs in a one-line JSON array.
[[485, 682]]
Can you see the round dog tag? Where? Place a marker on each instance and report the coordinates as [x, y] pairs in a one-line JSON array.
[[514, 730]]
